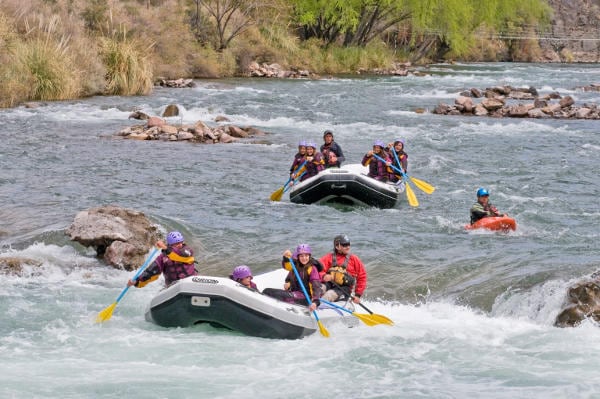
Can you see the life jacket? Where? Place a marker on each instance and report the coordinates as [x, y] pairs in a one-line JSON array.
[[294, 285], [339, 274]]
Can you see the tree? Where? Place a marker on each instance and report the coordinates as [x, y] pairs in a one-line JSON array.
[[448, 23], [230, 18]]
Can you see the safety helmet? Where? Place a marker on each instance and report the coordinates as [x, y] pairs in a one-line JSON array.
[[311, 144], [303, 249], [326, 132], [399, 141], [174, 237], [341, 239], [302, 143], [241, 272], [379, 143], [482, 192]]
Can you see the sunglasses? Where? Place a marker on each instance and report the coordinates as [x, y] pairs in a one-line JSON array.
[[345, 245]]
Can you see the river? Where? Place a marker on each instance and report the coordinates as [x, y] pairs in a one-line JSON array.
[[473, 311]]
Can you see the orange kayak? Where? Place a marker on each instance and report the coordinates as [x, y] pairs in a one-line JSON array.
[[496, 223]]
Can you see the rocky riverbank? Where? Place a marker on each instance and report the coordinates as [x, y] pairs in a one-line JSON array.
[[507, 101]]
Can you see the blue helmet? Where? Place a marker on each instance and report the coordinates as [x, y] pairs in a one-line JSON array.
[[482, 192], [174, 237], [379, 143], [302, 143]]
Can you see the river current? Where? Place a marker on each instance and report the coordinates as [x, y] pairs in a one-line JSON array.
[[473, 311]]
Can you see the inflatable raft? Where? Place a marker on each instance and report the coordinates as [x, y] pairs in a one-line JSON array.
[[348, 184], [222, 302]]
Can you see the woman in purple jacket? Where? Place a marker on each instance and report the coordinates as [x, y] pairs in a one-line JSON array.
[[308, 269], [378, 170], [175, 262]]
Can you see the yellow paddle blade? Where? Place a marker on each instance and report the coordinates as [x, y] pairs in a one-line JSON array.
[[381, 319], [412, 198], [106, 313], [276, 196], [322, 329], [367, 319], [423, 185]]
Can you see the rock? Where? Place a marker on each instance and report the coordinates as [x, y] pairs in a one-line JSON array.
[[583, 301], [492, 104], [154, 121], [566, 102], [221, 118], [138, 115], [15, 266], [520, 111], [464, 104], [170, 110], [168, 129], [108, 228]]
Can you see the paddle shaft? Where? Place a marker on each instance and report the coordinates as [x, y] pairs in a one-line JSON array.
[[392, 165], [139, 272], [301, 284]]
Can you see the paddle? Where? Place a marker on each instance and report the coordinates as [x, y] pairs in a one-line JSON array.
[[107, 312], [365, 318], [322, 328], [422, 185], [277, 194], [295, 181], [374, 316], [410, 195]]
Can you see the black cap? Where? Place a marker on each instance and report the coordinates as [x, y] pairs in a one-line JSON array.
[[326, 132], [341, 239]]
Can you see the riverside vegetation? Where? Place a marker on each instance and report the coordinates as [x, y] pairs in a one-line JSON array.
[[65, 49]]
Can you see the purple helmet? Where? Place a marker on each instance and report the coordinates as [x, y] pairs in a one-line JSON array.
[[311, 144], [399, 141], [302, 143], [174, 237], [379, 143], [303, 249], [241, 272]]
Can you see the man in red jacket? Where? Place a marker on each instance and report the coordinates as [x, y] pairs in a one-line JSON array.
[[343, 272]]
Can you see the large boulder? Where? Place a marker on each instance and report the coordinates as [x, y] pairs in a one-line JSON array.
[[582, 302], [120, 236]]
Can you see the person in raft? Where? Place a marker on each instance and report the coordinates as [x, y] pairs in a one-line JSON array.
[[398, 147], [343, 272], [175, 262], [332, 152], [298, 158], [314, 161], [483, 208], [308, 269], [378, 170], [243, 275]]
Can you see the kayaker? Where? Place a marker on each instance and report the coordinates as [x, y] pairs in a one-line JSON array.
[[483, 208], [343, 272], [308, 269], [314, 161], [298, 158], [243, 275], [378, 170], [397, 147], [175, 262], [332, 152]]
